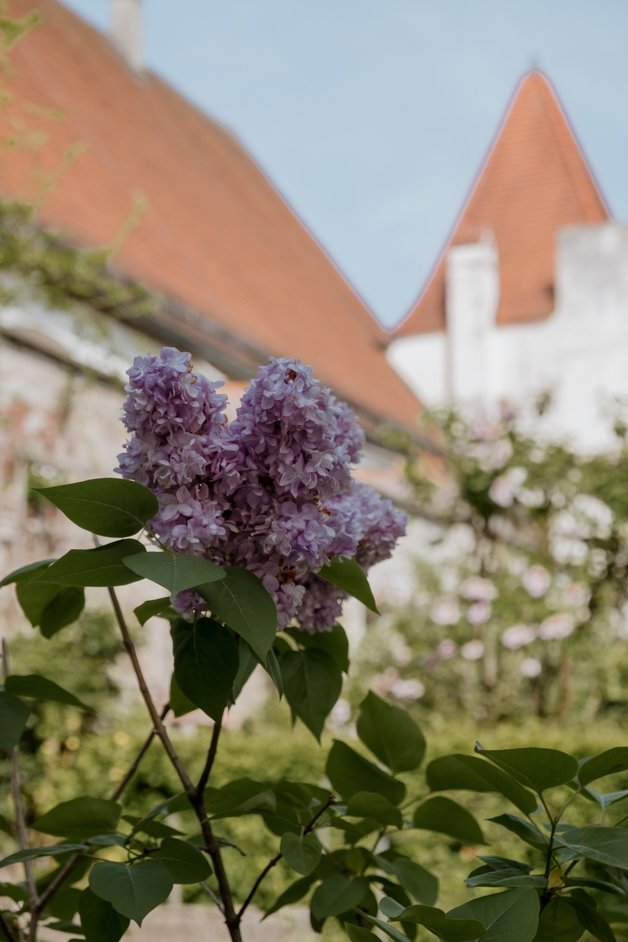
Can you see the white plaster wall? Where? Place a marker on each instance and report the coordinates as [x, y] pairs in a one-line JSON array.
[[421, 362]]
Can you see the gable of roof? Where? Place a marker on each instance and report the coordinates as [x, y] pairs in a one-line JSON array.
[[533, 181], [216, 237]]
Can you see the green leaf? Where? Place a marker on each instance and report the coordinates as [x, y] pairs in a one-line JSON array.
[[151, 826], [334, 642], [105, 506], [34, 595], [5, 825], [174, 572], [606, 763], [292, 894], [40, 688], [102, 566], [152, 608], [273, 670], [132, 891], [337, 894], [390, 931], [13, 717], [205, 663], [241, 796], [591, 919], [312, 683], [301, 852], [507, 877], [533, 767], [80, 818], [100, 921], [469, 773], [63, 609], [511, 916], [350, 773], [347, 575], [559, 922], [185, 862], [179, 703], [524, 830], [446, 817], [606, 845], [30, 570], [359, 934], [606, 799], [376, 807], [419, 882], [241, 602], [51, 850], [441, 924], [391, 734]]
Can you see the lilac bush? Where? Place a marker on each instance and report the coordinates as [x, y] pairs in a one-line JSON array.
[[272, 491]]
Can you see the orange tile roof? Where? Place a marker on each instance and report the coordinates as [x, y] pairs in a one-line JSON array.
[[534, 180], [216, 238]]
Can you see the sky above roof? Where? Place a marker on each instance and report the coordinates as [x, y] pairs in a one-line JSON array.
[[373, 117]]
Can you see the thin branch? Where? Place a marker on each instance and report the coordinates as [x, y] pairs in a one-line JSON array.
[[211, 756], [7, 930], [231, 919], [209, 892], [73, 862], [275, 860], [21, 831]]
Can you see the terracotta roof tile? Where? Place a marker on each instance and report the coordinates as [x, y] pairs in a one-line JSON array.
[[216, 236], [534, 180]]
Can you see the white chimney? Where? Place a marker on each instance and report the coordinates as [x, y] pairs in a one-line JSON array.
[[126, 32]]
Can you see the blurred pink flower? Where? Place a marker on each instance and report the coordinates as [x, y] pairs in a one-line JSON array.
[[531, 667], [408, 689], [557, 626], [536, 581], [446, 649], [472, 650], [477, 589], [445, 611], [479, 613], [517, 636]]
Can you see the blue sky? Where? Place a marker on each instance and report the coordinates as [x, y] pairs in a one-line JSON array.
[[372, 116]]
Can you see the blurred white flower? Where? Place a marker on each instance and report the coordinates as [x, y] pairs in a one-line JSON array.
[[568, 551], [382, 683], [531, 497], [576, 595], [536, 581], [502, 491], [472, 650], [517, 636], [557, 626], [407, 689], [445, 611], [401, 652], [446, 649], [479, 613], [341, 713], [595, 515], [506, 486], [530, 667], [477, 589]]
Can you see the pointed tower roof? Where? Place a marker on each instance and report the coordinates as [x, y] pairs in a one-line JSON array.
[[534, 180]]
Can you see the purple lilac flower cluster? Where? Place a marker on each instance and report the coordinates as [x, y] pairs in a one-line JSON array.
[[272, 491]]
